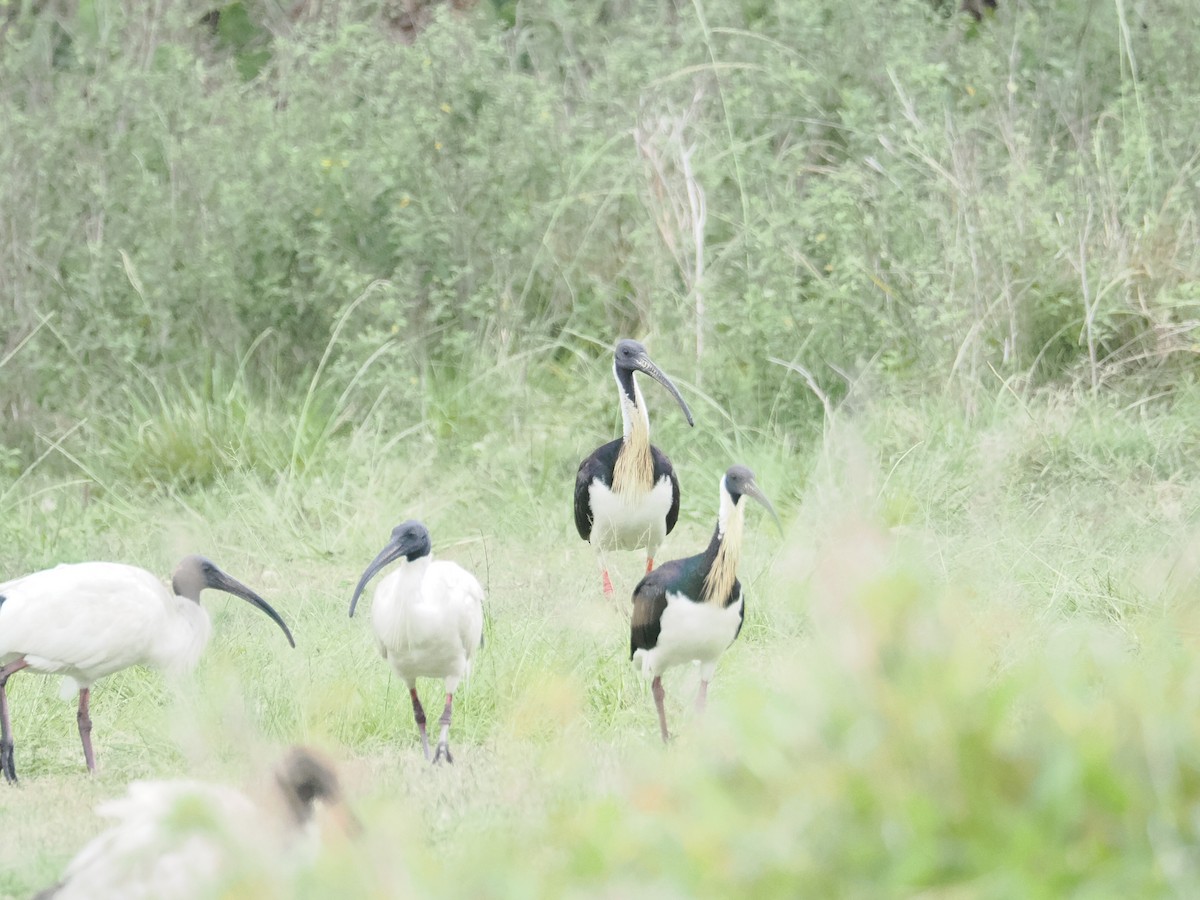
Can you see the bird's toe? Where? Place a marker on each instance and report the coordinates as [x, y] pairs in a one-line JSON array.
[[443, 752]]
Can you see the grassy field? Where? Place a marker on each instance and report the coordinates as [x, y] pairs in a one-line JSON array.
[[277, 282], [967, 670]]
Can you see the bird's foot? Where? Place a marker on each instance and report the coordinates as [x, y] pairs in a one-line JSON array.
[[6, 762], [443, 750]]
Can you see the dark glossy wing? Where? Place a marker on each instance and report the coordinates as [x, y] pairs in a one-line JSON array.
[[679, 576], [599, 464], [649, 604], [662, 466]]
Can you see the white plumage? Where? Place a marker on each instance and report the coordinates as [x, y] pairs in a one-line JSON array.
[[88, 620], [691, 632], [629, 523], [428, 620], [186, 838]]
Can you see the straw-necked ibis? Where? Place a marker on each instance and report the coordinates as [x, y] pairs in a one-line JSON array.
[[185, 839], [428, 620], [691, 610], [87, 620], [626, 492]]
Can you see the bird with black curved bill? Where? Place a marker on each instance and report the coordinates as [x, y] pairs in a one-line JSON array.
[[188, 839], [691, 610], [87, 620], [428, 620], [626, 492]]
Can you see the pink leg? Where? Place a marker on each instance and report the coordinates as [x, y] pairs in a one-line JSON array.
[[656, 688], [606, 582], [6, 740], [702, 696], [419, 715], [649, 564], [443, 747], [85, 729]]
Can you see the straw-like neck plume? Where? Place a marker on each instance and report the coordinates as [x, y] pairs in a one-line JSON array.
[[731, 518]]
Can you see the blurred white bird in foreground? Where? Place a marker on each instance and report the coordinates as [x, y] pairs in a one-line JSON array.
[[177, 840], [87, 620]]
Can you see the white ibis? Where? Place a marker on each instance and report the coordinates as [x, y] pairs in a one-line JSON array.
[[626, 492], [88, 620], [428, 620], [185, 839], [691, 610]]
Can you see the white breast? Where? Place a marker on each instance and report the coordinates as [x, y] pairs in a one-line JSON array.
[[629, 521], [691, 632], [87, 620], [428, 619], [170, 839]]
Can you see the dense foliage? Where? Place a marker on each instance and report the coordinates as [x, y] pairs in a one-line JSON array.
[[272, 280], [771, 191]]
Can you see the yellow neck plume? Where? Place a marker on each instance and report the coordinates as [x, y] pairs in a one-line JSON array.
[[634, 471], [719, 582]]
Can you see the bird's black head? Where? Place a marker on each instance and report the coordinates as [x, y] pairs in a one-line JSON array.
[[306, 778], [737, 479], [739, 482], [630, 354], [195, 573], [629, 357], [412, 539], [409, 540]]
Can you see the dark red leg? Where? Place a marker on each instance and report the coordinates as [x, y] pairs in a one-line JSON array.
[[419, 715], [656, 688], [443, 747], [6, 740], [85, 729]]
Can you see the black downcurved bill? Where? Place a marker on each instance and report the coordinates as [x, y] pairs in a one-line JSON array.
[[753, 490], [230, 585], [393, 551], [644, 364]]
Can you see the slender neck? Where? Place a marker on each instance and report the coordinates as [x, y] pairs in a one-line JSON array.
[[634, 471], [181, 642], [416, 566], [633, 408], [726, 549]]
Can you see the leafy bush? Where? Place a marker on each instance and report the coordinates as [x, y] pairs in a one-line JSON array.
[[835, 188]]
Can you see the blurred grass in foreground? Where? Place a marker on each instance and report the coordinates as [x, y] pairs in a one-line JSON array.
[[968, 670]]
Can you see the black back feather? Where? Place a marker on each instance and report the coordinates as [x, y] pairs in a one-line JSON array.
[[683, 576], [600, 465]]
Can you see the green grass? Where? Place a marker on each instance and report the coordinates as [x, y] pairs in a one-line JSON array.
[[968, 669], [275, 289]]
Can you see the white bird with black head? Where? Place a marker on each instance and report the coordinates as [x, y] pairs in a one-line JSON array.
[[188, 839], [626, 492], [691, 610], [428, 620], [87, 620]]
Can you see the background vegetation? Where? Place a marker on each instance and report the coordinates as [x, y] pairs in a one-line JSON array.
[[273, 280]]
